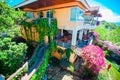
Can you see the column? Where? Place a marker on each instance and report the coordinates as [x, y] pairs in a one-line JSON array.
[[85, 32], [80, 35], [74, 37], [61, 32]]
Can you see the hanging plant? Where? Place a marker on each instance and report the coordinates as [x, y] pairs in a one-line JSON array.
[[68, 53], [53, 27], [42, 28], [24, 25], [52, 11], [40, 14]]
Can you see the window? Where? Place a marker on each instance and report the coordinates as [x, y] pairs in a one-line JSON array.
[[49, 14], [29, 15], [76, 14]]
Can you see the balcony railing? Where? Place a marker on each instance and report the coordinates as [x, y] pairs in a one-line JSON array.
[[91, 23]]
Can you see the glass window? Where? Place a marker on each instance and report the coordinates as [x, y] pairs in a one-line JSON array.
[[76, 14], [49, 14], [29, 15]]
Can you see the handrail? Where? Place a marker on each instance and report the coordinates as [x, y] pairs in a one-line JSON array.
[[74, 48], [14, 74], [26, 65], [91, 22]]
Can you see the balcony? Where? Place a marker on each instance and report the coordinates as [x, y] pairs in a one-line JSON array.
[[89, 24]]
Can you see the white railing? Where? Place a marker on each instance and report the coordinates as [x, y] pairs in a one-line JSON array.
[[20, 69]]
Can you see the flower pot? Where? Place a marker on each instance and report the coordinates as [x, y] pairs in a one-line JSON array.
[[72, 58], [56, 55]]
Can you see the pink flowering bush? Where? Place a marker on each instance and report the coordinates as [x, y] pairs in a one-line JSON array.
[[93, 56]]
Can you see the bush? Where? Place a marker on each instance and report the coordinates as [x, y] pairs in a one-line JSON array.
[[93, 56], [11, 56], [100, 77]]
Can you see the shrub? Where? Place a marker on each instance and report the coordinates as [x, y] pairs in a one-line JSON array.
[[12, 56], [93, 56]]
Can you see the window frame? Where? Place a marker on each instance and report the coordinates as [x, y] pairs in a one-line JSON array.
[[48, 11], [76, 17], [30, 13]]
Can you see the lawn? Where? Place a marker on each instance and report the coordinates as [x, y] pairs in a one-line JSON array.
[[114, 73]]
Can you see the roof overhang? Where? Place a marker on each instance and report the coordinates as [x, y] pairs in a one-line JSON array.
[[92, 11], [24, 3], [85, 3]]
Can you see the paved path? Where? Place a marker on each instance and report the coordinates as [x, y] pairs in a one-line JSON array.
[[37, 59]]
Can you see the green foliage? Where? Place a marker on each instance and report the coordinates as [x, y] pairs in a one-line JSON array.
[[68, 53], [40, 13], [8, 18], [12, 56], [108, 31], [60, 51], [42, 28], [54, 61], [101, 76], [38, 75], [71, 67], [32, 60], [23, 71], [53, 27], [53, 46], [25, 26]]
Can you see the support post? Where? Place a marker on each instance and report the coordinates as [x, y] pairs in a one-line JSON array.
[[61, 32], [80, 35], [74, 37]]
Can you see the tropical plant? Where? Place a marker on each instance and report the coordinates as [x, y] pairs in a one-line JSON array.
[[21, 73], [110, 29], [52, 11], [40, 14], [93, 56], [9, 18], [12, 56], [53, 27], [100, 76], [68, 53]]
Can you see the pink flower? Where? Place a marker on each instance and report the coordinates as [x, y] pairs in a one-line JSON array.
[[98, 23], [99, 15], [94, 57]]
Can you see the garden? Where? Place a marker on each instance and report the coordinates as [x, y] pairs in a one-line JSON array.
[[28, 50]]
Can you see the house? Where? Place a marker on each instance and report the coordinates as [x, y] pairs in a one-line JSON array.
[[75, 17]]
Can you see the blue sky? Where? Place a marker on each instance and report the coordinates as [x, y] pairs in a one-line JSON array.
[[114, 5], [14, 2], [110, 9]]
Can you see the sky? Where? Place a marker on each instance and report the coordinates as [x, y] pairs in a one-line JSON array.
[[110, 9], [14, 2]]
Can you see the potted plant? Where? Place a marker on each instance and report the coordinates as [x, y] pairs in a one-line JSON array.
[[40, 14], [52, 11]]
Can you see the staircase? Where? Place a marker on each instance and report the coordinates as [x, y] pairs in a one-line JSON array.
[[37, 57]]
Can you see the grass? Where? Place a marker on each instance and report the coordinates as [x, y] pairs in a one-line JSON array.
[[114, 73]]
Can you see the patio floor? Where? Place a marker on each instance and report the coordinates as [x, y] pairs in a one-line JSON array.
[[58, 73]]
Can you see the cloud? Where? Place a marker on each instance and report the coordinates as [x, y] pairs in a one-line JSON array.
[[107, 14]]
